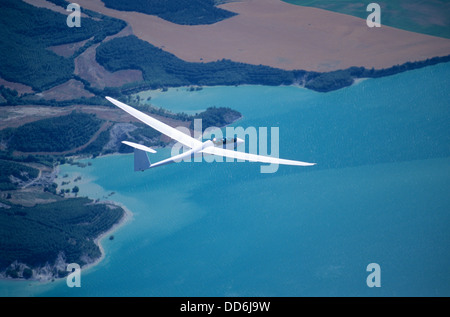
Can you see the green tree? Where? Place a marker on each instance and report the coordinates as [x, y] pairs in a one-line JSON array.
[[75, 190], [27, 273]]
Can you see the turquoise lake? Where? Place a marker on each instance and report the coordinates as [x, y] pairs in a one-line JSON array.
[[380, 193]]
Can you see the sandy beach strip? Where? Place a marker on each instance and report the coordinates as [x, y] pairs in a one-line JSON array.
[[282, 35]]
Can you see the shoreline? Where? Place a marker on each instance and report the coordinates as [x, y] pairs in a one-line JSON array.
[[127, 216], [323, 81], [288, 40], [43, 279]]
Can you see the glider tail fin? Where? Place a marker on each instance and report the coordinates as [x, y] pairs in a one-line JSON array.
[[141, 161]]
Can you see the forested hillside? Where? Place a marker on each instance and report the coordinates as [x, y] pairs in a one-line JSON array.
[[181, 11], [53, 134], [26, 34], [163, 69], [17, 170], [37, 235]]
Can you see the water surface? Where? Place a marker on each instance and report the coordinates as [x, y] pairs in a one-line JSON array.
[[379, 193]]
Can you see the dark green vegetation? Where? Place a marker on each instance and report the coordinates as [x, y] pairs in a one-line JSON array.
[[189, 12], [37, 235], [69, 132], [96, 147], [162, 69], [8, 96], [428, 17], [146, 134], [17, 170], [181, 116], [324, 82], [26, 34], [216, 117], [53, 134]]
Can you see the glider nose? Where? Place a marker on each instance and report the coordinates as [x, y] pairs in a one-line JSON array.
[[239, 141]]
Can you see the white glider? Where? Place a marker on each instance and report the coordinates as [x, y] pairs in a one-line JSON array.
[[213, 147]]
